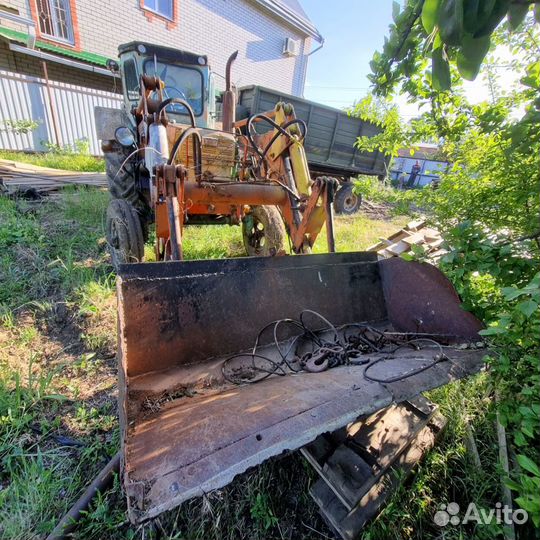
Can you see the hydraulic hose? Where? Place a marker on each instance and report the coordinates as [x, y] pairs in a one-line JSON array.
[[169, 101], [281, 130], [197, 151]]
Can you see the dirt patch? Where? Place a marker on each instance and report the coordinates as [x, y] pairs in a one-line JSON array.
[[382, 211]]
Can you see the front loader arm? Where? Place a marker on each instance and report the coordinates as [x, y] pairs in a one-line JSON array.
[[280, 178]]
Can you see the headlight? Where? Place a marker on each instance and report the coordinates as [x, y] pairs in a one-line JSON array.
[[124, 136]]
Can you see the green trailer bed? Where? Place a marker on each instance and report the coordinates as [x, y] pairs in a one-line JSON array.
[[330, 137]]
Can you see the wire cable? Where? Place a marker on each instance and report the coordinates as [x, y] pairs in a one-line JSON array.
[[311, 351]]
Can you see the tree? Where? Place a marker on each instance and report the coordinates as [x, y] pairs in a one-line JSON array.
[[488, 204], [456, 32], [394, 134]]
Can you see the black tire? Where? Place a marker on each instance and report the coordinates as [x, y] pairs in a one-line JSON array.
[[121, 179], [124, 233], [122, 182], [263, 232], [346, 201]]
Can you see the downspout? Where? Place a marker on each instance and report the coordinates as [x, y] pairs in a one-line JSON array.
[[318, 48], [306, 64]]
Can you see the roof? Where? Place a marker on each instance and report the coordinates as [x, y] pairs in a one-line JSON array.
[[164, 53], [295, 6], [22, 37], [292, 12]]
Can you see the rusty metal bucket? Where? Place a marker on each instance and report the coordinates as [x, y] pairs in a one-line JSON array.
[[186, 430]]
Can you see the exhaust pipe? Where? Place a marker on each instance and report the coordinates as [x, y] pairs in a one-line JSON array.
[[229, 103]]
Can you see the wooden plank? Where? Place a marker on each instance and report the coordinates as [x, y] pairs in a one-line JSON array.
[[416, 225], [398, 248], [415, 238], [379, 439]]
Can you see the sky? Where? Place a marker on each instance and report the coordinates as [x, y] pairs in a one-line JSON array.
[[353, 31]]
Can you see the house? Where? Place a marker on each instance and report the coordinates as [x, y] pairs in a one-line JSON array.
[[53, 54]]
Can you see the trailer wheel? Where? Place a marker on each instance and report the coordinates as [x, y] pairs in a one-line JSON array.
[[124, 233], [263, 231], [346, 201]]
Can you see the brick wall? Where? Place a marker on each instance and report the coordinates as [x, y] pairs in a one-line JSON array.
[[212, 27]]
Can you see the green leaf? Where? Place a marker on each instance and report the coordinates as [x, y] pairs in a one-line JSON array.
[[528, 307], [528, 504], [430, 12], [450, 19], [528, 464], [475, 14], [520, 440], [511, 293], [537, 12], [511, 484], [56, 397], [492, 331], [440, 70], [395, 10], [494, 18], [471, 54], [516, 14]]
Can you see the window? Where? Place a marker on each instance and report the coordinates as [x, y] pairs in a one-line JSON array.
[[132, 81], [54, 18], [161, 7], [180, 82]]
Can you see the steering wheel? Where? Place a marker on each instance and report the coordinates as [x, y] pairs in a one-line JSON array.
[[173, 92]]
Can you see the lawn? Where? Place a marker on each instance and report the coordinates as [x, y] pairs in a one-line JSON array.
[[58, 159], [58, 412]]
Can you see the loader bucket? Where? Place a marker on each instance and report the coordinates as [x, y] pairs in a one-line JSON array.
[[186, 430]]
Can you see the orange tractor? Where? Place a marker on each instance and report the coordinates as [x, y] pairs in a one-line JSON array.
[[170, 162]]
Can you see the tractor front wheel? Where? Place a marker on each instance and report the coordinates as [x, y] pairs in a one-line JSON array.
[[124, 233], [263, 232]]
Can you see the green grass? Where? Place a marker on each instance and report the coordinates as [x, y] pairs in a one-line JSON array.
[[58, 377], [69, 161]]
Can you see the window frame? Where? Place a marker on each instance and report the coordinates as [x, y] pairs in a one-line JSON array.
[[70, 26], [157, 13]]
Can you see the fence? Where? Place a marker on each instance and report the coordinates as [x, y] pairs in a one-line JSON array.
[[26, 98]]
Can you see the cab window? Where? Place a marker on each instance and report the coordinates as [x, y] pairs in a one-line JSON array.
[[131, 80], [180, 82]]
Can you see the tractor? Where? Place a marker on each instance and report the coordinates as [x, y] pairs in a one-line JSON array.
[[172, 162]]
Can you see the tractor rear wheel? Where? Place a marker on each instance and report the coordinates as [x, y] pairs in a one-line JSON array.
[[124, 233], [263, 232], [346, 201]]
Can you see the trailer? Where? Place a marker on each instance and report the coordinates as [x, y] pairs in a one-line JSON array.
[[329, 143]]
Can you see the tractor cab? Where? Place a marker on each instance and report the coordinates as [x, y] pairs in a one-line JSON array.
[[186, 76]]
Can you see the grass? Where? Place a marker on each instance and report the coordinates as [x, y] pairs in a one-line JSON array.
[[58, 377], [58, 159]]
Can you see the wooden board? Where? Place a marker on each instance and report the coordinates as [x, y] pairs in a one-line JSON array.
[[415, 233], [17, 176]]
